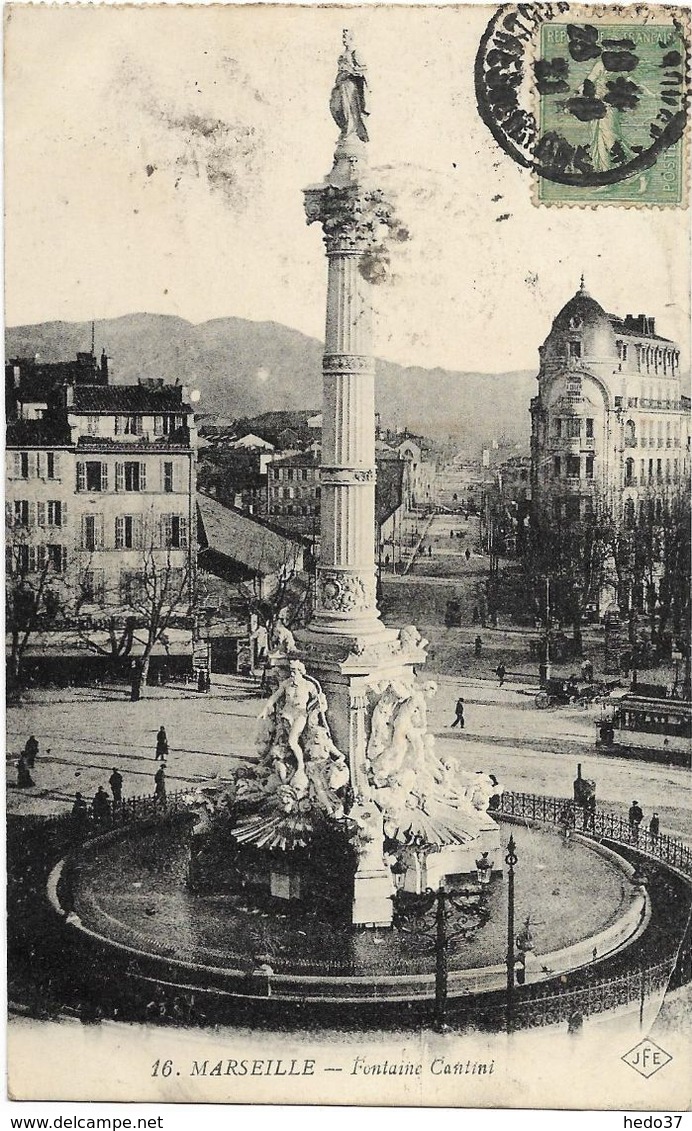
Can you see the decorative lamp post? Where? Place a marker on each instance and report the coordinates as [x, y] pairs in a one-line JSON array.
[[510, 860], [484, 869]]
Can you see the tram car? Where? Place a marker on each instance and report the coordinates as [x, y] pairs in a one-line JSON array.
[[653, 729]]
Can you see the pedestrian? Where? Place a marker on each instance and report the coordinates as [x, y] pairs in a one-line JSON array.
[[635, 817], [459, 714], [467, 553], [429, 551], [451, 534], [477, 645], [501, 672], [654, 825], [101, 806], [587, 671], [160, 784], [80, 813], [161, 745], [31, 751], [135, 686], [115, 781], [24, 778]]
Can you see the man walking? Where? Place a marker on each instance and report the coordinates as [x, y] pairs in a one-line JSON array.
[[160, 785], [501, 672], [161, 745], [636, 817], [459, 714], [31, 751], [477, 646], [654, 826], [115, 781], [101, 806]]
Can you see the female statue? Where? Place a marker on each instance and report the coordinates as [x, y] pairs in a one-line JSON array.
[[348, 102]]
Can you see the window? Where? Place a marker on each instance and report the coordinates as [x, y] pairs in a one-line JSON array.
[[93, 425], [629, 514], [573, 467], [92, 475], [575, 349], [659, 469], [128, 425], [589, 427], [572, 510], [128, 532], [51, 465], [651, 469], [557, 467], [168, 476], [174, 531], [21, 513], [573, 427], [624, 351], [130, 476], [629, 472], [56, 557], [21, 465], [93, 587], [558, 428], [131, 587], [92, 532], [54, 514], [589, 467]]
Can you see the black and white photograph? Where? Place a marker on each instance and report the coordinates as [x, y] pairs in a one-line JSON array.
[[347, 570]]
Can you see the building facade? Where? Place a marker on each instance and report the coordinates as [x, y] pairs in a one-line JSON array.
[[610, 423], [100, 490]]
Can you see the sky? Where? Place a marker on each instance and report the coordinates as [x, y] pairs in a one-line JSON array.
[[156, 157]]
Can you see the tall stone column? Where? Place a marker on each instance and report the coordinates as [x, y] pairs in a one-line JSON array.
[[346, 602]]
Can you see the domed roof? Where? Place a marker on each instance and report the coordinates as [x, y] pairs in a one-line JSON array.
[[580, 311]]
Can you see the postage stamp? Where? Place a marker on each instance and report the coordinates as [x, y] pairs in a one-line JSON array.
[[593, 100]]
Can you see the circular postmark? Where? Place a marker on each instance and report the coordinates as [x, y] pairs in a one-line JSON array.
[[584, 96]]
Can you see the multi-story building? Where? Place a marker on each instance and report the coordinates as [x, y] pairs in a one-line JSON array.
[[293, 492], [100, 486], [610, 422]]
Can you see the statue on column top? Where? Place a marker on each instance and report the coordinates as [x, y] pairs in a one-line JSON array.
[[348, 101]]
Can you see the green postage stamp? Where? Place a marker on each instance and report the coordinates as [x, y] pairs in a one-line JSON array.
[[593, 99]]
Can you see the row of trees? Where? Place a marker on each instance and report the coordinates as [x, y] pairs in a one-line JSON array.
[[641, 557], [39, 598]]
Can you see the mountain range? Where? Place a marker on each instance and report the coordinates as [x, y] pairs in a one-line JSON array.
[[244, 368]]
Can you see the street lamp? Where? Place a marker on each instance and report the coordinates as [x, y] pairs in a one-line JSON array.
[[510, 860], [484, 869]]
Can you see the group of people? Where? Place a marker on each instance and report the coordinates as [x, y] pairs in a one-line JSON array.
[[635, 817], [102, 806]]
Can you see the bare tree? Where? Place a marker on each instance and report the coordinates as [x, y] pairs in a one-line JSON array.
[[159, 592], [575, 553], [34, 599]]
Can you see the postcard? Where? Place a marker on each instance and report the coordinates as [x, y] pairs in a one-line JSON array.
[[347, 555]]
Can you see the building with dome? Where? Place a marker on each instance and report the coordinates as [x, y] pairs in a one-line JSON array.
[[611, 421]]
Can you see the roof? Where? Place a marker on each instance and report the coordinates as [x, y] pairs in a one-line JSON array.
[[180, 439], [128, 398], [250, 440], [38, 434], [624, 331], [389, 489], [242, 539], [300, 459]]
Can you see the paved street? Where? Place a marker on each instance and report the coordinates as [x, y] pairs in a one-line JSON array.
[[88, 733]]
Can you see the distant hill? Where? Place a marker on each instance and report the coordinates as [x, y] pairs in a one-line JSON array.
[[245, 368]]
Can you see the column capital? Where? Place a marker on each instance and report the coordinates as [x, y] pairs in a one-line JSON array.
[[355, 218]]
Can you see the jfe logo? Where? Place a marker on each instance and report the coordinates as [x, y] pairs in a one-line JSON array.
[[647, 1058]]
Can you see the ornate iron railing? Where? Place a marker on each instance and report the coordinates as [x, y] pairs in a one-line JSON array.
[[598, 824]]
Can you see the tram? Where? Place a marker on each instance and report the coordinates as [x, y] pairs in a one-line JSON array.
[[658, 730]]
